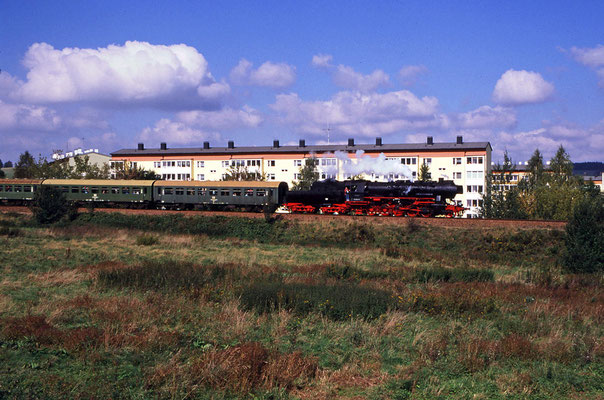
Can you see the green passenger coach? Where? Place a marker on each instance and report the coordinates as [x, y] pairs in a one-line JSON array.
[[108, 191]]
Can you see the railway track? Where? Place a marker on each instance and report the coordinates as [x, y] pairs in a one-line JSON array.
[[309, 218]]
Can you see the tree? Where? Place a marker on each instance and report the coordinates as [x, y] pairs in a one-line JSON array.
[[424, 172], [2, 174], [26, 167], [496, 202], [535, 168], [560, 164], [308, 174], [83, 169], [125, 171], [241, 173], [8, 164], [585, 237], [1, 165], [50, 205]]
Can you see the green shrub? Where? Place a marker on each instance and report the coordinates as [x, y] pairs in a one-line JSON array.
[[50, 205], [440, 274], [337, 302], [161, 276], [346, 272], [585, 238], [146, 240]]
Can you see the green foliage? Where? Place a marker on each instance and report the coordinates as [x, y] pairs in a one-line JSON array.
[[2, 174], [162, 276], [146, 240], [585, 237], [424, 172], [50, 205], [128, 172], [440, 274], [308, 174], [337, 302], [26, 167]]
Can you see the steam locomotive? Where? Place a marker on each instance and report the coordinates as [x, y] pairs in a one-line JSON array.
[[358, 197]]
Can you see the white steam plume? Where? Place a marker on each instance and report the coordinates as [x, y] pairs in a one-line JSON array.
[[368, 165]]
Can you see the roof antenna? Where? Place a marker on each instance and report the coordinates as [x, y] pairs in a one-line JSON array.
[[328, 130]]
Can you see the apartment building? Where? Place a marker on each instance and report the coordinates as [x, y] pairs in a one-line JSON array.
[[466, 163]]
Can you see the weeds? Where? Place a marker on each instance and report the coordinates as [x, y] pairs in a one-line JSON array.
[[146, 240], [440, 274]]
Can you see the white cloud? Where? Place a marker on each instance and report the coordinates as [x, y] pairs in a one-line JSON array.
[[227, 118], [486, 117], [137, 72], [409, 74], [22, 117], [269, 74], [355, 113], [522, 87], [175, 132], [591, 57], [348, 78], [322, 60]]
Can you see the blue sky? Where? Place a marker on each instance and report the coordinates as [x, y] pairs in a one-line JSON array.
[[107, 75]]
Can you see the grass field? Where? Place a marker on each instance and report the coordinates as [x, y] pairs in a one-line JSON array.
[[139, 307]]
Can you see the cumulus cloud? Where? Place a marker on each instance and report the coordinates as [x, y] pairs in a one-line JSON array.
[[269, 74], [522, 87], [192, 127], [322, 60], [486, 117], [23, 117], [348, 78], [136, 72], [409, 74], [591, 57], [358, 113]]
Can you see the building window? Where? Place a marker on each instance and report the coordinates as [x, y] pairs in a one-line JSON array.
[[474, 174], [474, 188], [297, 176], [270, 177], [200, 164], [328, 176], [427, 161], [456, 175], [297, 163], [157, 164], [409, 160], [201, 177], [474, 160], [328, 161], [456, 160], [271, 163]]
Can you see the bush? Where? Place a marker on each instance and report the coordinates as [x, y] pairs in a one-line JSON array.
[[337, 302], [160, 276], [146, 240], [440, 274], [585, 237], [50, 205]]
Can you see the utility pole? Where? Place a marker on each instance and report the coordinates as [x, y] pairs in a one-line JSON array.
[[328, 130]]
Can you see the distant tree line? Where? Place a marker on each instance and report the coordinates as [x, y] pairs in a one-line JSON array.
[[30, 168]]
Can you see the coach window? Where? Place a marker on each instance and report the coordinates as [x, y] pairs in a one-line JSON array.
[[94, 190], [115, 190], [27, 188], [179, 191], [260, 192], [202, 191], [104, 190], [125, 190], [190, 191], [75, 189], [225, 192], [1, 188], [168, 191], [85, 189], [213, 192], [237, 192], [136, 190], [249, 192], [9, 188]]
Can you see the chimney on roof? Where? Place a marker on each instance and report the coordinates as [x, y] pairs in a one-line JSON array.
[[275, 143], [141, 146], [302, 143], [459, 139], [163, 146], [206, 145], [378, 141], [351, 142], [430, 140], [231, 144]]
